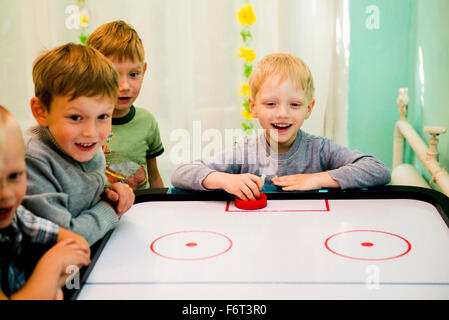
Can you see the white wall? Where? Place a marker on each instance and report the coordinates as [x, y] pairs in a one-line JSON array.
[[191, 47]]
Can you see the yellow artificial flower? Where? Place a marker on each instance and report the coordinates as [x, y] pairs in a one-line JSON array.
[[248, 54], [247, 115], [245, 90], [84, 18], [246, 15]]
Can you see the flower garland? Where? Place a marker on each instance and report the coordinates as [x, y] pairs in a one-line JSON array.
[[84, 19], [246, 17]]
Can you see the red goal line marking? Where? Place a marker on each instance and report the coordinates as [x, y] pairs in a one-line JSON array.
[[228, 203]]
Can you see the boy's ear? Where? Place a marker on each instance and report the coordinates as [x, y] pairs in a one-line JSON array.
[[144, 67], [309, 108], [40, 112], [252, 107]]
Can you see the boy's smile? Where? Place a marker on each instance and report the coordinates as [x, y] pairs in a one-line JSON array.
[[5, 212], [80, 126], [281, 109], [281, 127], [85, 146], [130, 81]]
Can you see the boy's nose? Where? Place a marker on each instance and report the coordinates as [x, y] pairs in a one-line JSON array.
[[123, 84], [89, 129], [282, 111]]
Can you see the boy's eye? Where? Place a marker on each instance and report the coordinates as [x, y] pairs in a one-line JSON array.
[[133, 74], [104, 116], [75, 118], [15, 175]]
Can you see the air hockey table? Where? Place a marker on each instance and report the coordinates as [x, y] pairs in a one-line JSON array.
[[389, 242]]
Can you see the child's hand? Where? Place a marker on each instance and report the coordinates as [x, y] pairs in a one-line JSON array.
[[306, 181], [246, 186], [66, 253], [120, 196], [66, 234], [51, 271]]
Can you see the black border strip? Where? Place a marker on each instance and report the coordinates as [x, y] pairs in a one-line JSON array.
[[96, 249], [437, 199]]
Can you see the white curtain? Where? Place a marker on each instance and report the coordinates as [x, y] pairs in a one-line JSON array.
[[194, 74]]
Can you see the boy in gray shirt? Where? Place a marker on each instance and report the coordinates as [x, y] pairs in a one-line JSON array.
[[76, 89], [281, 98]]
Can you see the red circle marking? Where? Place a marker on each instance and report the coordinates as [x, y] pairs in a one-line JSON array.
[[367, 244], [409, 246], [190, 244]]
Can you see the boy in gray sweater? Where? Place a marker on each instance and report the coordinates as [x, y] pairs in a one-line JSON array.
[[281, 99], [76, 89]]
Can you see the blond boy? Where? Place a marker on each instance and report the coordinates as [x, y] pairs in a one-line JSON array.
[[76, 88], [23, 235], [282, 99], [134, 143]]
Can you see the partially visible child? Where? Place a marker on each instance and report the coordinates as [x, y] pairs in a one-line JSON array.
[[22, 234], [75, 88], [282, 99], [134, 143]]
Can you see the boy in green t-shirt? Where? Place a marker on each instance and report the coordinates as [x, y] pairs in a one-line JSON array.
[[134, 142]]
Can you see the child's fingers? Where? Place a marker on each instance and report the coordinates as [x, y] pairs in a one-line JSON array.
[[67, 242], [241, 196], [258, 182], [85, 260], [250, 191], [126, 200], [279, 182], [111, 195], [277, 179], [284, 181], [125, 197], [85, 250], [255, 190], [74, 245], [81, 258], [131, 199], [245, 194], [81, 251], [292, 188]]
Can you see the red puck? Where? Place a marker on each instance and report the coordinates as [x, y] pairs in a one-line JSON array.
[[252, 204]]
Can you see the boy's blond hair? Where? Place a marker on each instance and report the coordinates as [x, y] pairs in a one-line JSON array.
[[75, 70], [119, 40], [287, 66]]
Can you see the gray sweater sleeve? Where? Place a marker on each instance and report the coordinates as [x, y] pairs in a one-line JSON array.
[[46, 198], [352, 169], [190, 176]]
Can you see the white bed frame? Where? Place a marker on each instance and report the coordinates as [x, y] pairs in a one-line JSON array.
[[406, 174]]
